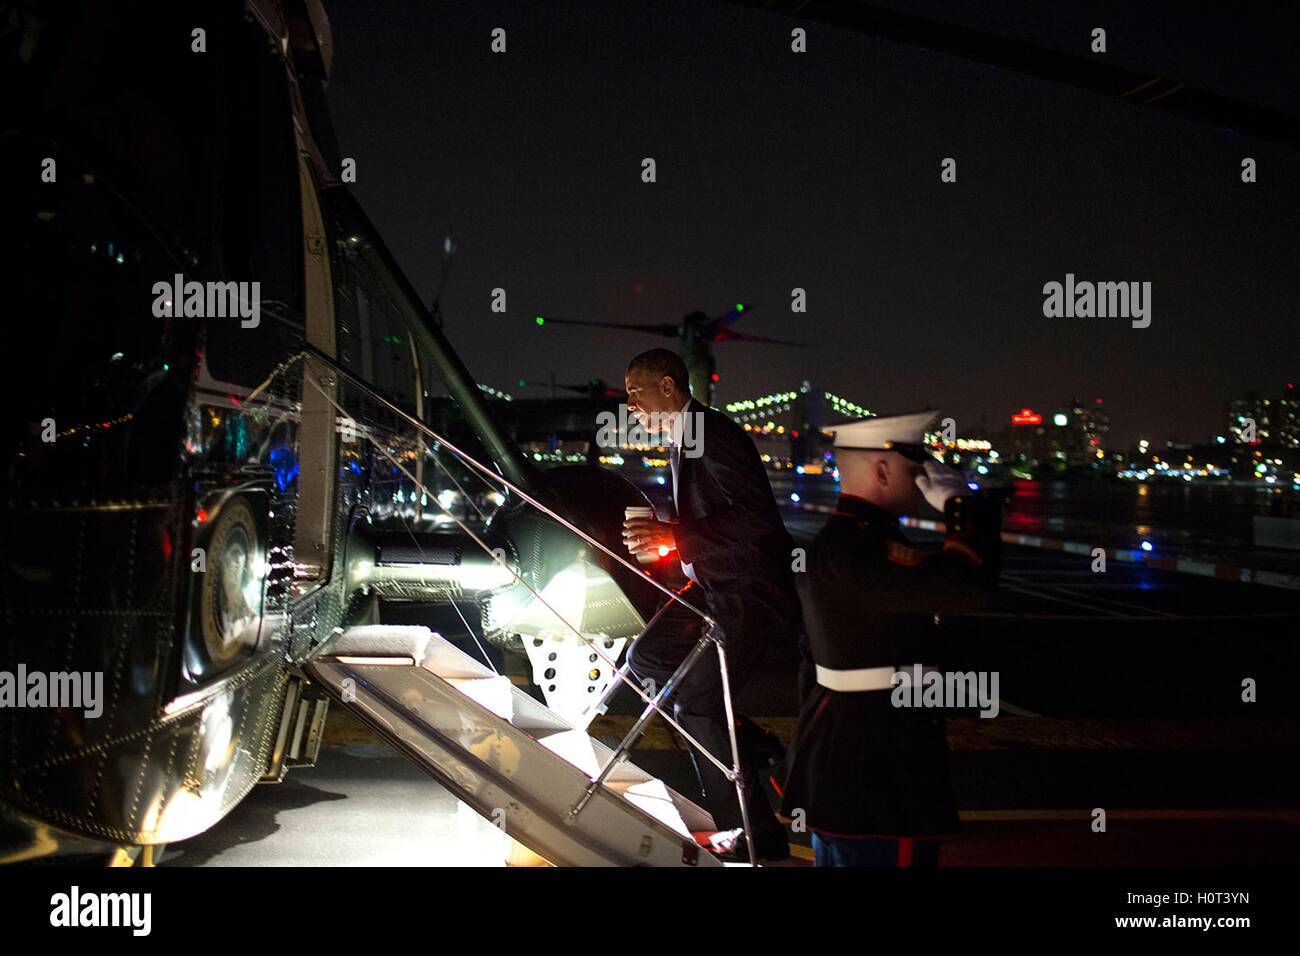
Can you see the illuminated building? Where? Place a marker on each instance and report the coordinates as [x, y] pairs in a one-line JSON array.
[[1248, 410], [1277, 420], [1288, 417], [1086, 428], [1072, 436]]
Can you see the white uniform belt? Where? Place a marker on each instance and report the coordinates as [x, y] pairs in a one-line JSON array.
[[863, 678]]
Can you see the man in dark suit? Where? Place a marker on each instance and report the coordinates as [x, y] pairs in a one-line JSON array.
[[733, 545]]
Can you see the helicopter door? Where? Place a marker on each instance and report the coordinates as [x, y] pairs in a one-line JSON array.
[[317, 438]]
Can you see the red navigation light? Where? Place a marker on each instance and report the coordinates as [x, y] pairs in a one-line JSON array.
[[717, 377], [1026, 416]]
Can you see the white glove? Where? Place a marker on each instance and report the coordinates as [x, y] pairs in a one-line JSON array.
[[939, 483]]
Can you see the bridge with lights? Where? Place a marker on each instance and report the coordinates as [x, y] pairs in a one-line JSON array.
[[789, 426]]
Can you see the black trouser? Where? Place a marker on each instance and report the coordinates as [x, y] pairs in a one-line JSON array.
[[697, 702]]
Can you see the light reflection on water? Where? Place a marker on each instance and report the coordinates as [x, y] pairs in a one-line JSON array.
[[1184, 516]]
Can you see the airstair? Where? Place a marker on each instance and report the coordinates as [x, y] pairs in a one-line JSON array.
[[543, 779], [506, 755]]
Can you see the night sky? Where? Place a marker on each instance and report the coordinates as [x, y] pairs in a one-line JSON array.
[[821, 171]]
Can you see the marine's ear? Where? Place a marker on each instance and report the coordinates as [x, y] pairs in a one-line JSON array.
[[882, 470]]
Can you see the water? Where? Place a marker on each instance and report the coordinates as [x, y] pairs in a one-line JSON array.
[[1198, 519], [1176, 516], [1184, 518]]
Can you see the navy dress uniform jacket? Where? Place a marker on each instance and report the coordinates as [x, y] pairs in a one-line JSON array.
[[859, 766]]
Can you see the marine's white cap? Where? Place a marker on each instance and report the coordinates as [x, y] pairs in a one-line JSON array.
[[904, 434]]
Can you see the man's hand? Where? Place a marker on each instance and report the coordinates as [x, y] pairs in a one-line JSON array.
[[938, 483], [647, 536]]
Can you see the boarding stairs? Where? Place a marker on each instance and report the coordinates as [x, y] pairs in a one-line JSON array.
[[506, 755]]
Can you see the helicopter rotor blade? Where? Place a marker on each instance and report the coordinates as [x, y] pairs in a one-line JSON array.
[[733, 314], [654, 329], [599, 388], [727, 335]]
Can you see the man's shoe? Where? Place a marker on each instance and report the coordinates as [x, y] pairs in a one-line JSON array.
[[730, 846]]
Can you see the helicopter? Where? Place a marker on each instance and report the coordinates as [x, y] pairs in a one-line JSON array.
[[192, 502], [697, 332]]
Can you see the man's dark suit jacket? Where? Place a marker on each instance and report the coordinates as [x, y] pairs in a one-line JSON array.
[[728, 526]]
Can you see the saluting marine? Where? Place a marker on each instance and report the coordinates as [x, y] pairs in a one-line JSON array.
[[872, 778]]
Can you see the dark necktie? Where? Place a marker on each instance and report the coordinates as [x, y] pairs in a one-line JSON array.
[[675, 459]]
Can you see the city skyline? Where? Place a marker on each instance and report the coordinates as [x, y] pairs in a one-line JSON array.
[[1046, 409]]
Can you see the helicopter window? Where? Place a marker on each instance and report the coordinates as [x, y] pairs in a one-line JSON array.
[[377, 314], [394, 370], [373, 341], [459, 489]]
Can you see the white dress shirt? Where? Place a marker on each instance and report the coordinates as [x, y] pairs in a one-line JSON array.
[[674, 459]]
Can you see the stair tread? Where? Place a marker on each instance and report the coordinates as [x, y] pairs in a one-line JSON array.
[[440, 661]]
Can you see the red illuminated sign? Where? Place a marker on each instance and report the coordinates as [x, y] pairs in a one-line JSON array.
[[1026, 416]]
